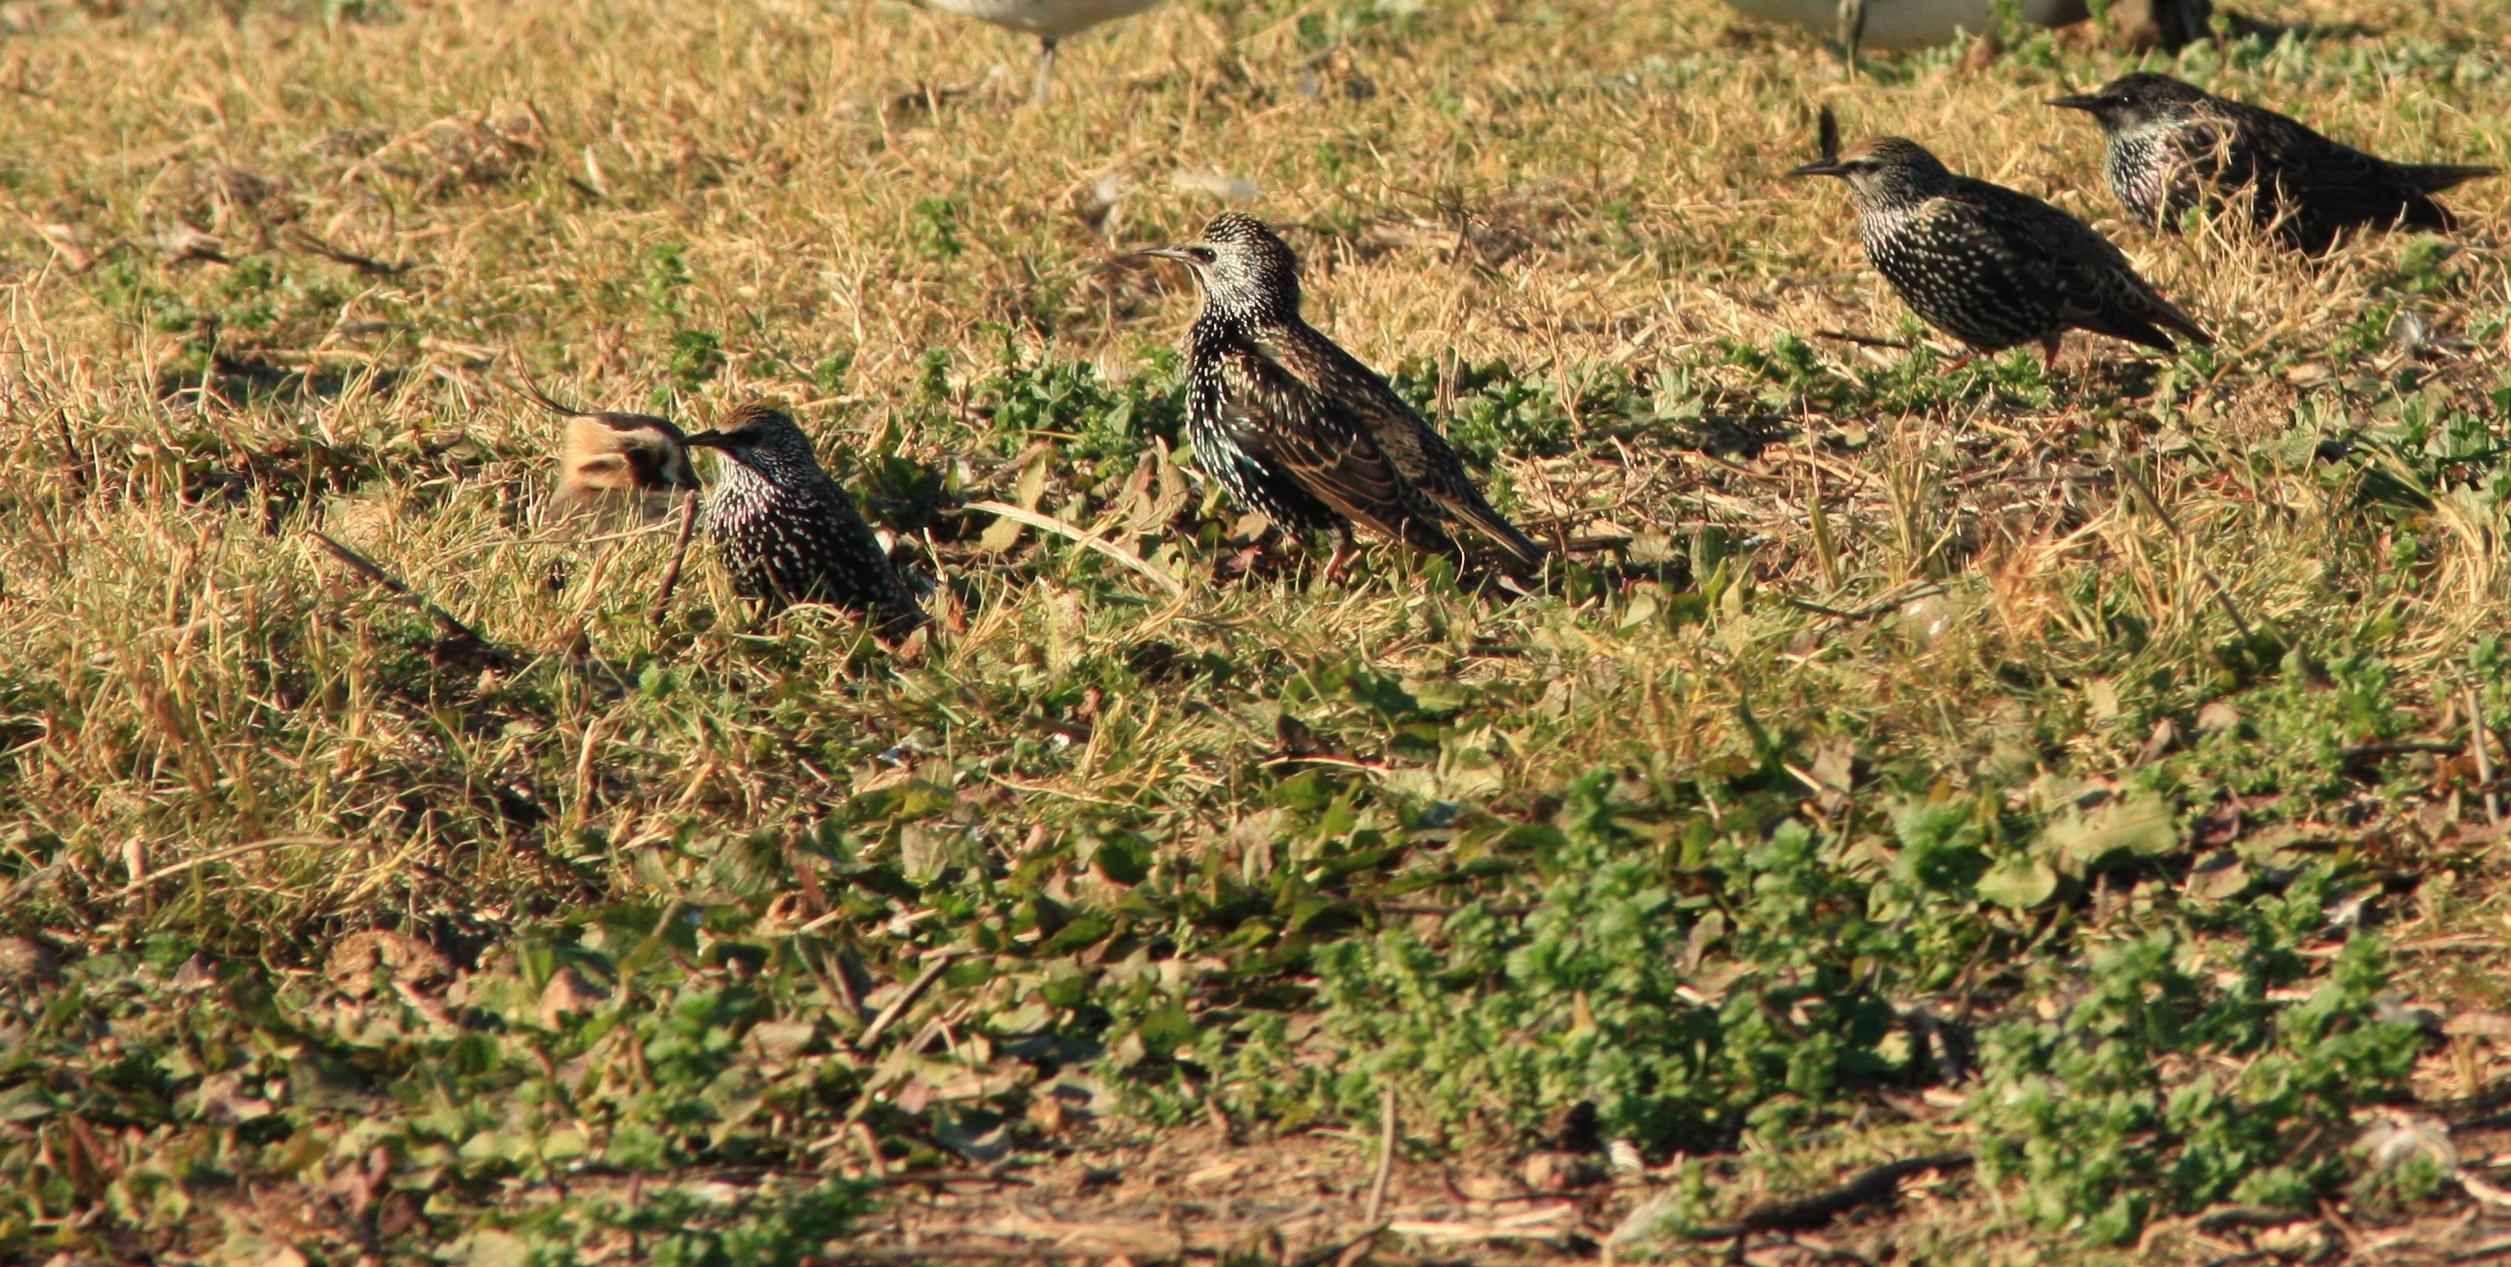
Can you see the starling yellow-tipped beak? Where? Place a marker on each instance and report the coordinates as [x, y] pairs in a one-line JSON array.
[[2086, 102], [1819, 167], [707, 440], [1181, 254]]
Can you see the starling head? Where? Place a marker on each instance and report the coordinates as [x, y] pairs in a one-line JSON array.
[[1245, 270], [764, 442], [2134, 101], [1885, 172]]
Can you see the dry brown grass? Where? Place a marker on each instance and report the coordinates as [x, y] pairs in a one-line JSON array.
[[214, 733]]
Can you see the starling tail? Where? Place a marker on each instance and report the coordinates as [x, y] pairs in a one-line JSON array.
[[1298, 429], [2173, 146], [1992, 267], [787, 532]]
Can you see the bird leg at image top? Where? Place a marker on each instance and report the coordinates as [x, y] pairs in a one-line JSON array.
[[2049, 352], [1046, 68], [1852, 31], [1345, 548]]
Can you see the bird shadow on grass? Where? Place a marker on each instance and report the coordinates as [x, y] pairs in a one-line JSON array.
[[237, 382], [910, 497], [2241, 26], [1737, 436], [2119, 379]]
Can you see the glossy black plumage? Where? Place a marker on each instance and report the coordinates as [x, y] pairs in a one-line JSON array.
[[2174, 146], [1298, 429], [1989, 266], [787, 532]]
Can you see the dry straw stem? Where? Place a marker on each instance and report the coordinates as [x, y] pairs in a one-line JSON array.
[[1050, 524], [679, 554], [393, 585]]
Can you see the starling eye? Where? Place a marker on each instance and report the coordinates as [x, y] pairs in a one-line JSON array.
[[1203, 253]]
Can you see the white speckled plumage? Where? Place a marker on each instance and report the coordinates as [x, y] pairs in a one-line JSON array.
[[1990, 266], [2174, 147], [787, 532], [1296, 428]]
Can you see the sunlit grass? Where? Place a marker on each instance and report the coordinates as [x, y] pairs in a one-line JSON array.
[[2117, 721]]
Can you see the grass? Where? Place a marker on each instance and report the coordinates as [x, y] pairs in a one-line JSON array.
[[2094, 772]]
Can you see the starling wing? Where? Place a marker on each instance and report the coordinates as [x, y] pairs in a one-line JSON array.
[[2321, 186], [2097, 288], [819, 549], [1291, 430], [1429, 477]]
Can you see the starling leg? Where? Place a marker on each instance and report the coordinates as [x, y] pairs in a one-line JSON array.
[[2049, 353], [1341, 558], [1046, 66]]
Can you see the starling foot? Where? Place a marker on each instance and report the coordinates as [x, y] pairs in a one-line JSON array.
[[1339, 561]]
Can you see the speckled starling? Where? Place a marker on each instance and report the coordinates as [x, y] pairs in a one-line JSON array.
[[1049, 20], [615, 470], [787, 532], [2174, 146], [1989, 266], [1297, 429]]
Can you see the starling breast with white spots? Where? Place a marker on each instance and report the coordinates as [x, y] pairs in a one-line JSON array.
[[787, 532]]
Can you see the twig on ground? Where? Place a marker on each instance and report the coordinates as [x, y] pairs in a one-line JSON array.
[[2479, 743], [2492, 1251], [1878, 1183], [366, 265], [1375, 1218], [146, 879], [2129, 478], [2374, 751], [1050, 524], [906, 998], [1868, 612], [530, 389], [72, 464], [450, 623], [679, 554], [1864, 340]]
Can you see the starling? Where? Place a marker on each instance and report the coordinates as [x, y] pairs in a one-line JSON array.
[[1049, 20], [1297, 429], [787, 532], [615, 470], [1989, 266], [2174, 146]]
